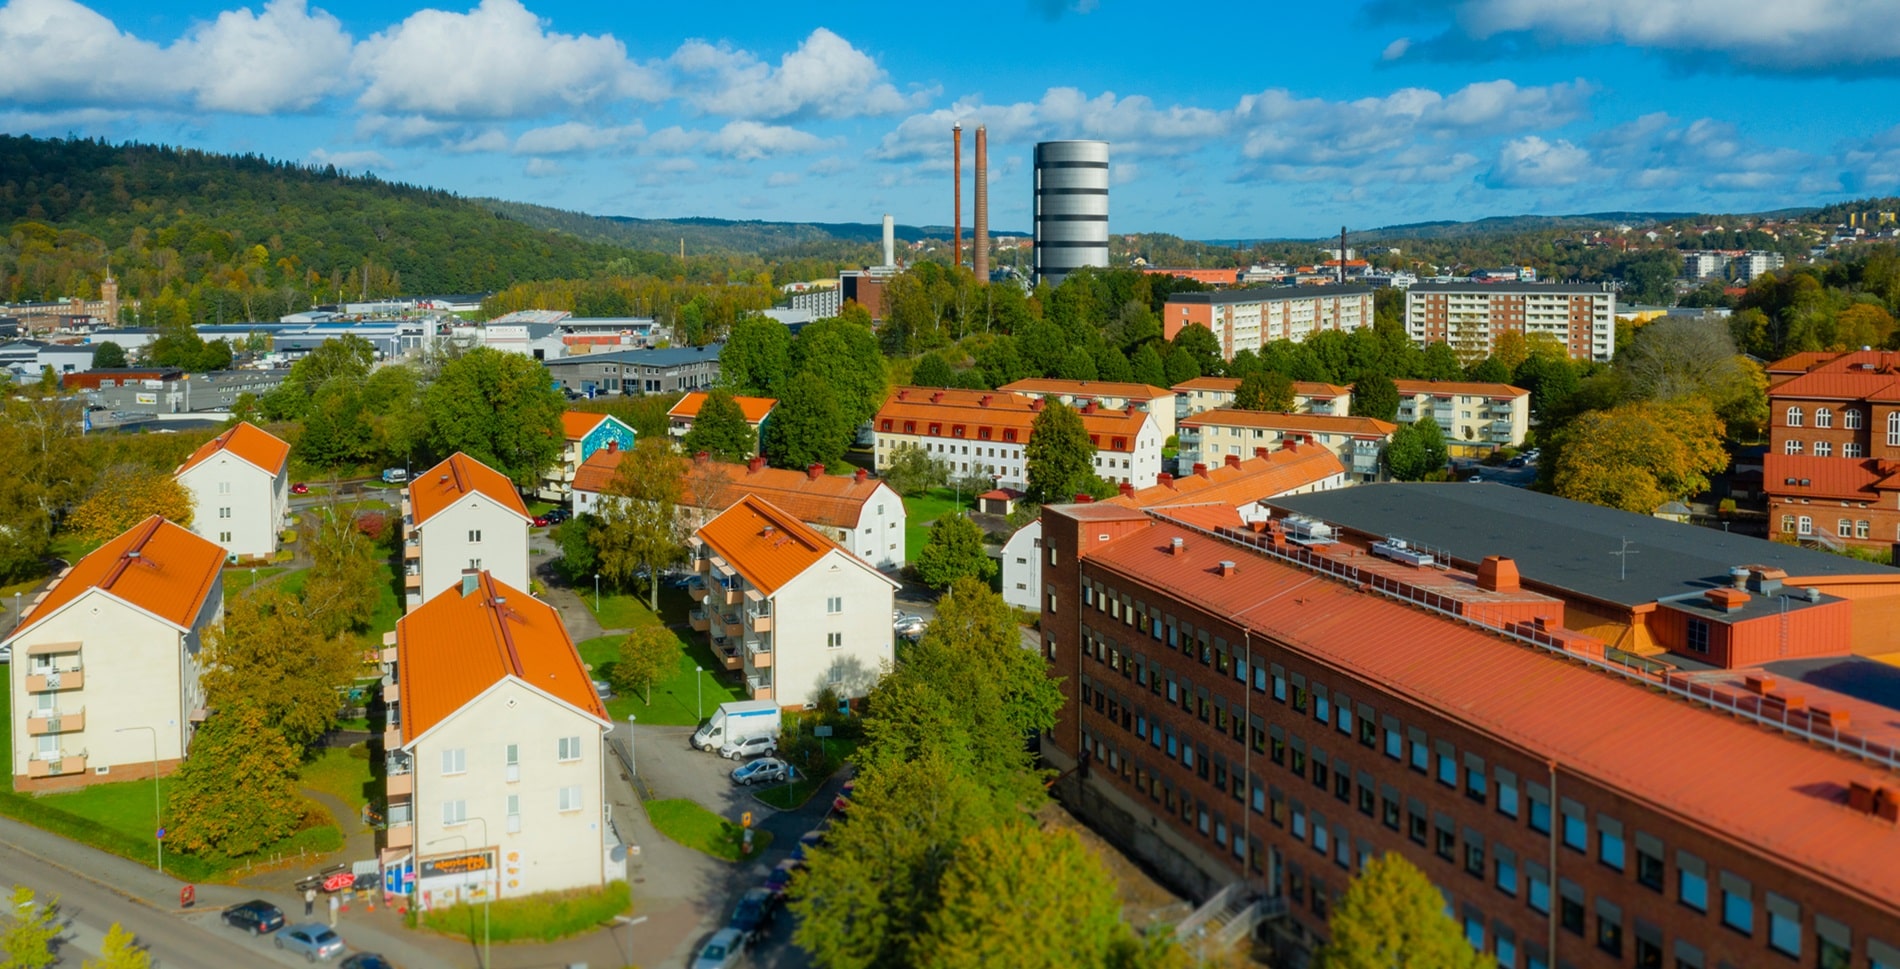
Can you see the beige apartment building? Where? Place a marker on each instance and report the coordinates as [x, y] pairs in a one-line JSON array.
[[1476, 417], [1209, 439]]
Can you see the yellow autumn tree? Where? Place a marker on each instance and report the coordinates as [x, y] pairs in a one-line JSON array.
[[1637, 456], [123, 497]]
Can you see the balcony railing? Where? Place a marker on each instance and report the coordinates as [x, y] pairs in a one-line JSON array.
[[759, 686], [399, 778], [727, 650], [50, 680], [699, 619], [759, 620], [731, 624], [56, 764], [42, 722]]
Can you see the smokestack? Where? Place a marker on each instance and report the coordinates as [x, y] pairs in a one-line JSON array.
[[890, 241], [956, 193], [1342, 255], [981, 258]]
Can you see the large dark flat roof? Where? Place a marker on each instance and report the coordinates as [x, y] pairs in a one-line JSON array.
[[1561, 543]]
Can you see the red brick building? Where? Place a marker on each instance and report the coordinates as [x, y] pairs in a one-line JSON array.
[[1832, 472], [1265, 706]]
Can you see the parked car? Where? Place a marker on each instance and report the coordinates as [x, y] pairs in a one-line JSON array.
[[843, 800], [1516, 462], [765, 770], [780, 877], [806, 842], [911, 629], [722, 951], [1477, 478], [256, 915], [313, 940], [750, 747], [540, 521], [366, 960], [395, 475], [753, 915], [300, 489], [901, 619], [555, 516]]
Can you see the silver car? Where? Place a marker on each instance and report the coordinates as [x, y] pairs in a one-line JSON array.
[[722, 951], [314, 939]]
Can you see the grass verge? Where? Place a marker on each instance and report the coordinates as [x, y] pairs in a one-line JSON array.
[[695, 827], [677, 701], [533, 918], [922, 509], [342, 772], [238, 580]]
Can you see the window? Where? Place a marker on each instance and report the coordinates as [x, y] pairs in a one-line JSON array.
[[571, 798], [1649, 863], [834, 605], [1823, 449], [1833, 944], [1506, 950], [1421, 757], [1850, 419], [570, 748], [224, 487], [1853, 449], [1791, 446], [1474, 857], [1389, 807], [1861, 528], [1609, 929], [834, 640], [1322, 710], [1784, 926], [1539, 893], [1394, 744], [1415, 819], [1610, 843], [1540, 814], [1506, 873], [1843, 527], [1474, 931], [454, 812], [224, 537], [1576, 832], [1649, 954], [1738, 910], [474, 535], [474, 565], [514, 813], [1793, 417], [454, 761], [1570, 912], [1474, 781], [1507, 793], [1692, 887], [1698, 635], [1823, 417], [511, 760], [1447, 842], [1893, 429]]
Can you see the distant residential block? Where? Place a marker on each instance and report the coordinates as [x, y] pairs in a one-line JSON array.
[[981, 432], [1832, 471], [1210, 437], [583, 435], [757, 410], [1212, 393], [1476, 417], [1470, 316], [1157, 402], [240, 492], [632, 372], [1248, 319]]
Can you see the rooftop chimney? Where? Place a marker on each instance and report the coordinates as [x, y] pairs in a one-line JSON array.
[[754, 463], [1260, 453], [1164, 479], [701, 457], [1228, 568], [1765, 580], [1127, 488], [1081, 499], [956, 193], [1497, 574], [1177, 547], [1233, 460], [1726, 599], [980, 258], [890, 241], [812, 472], [859, 475], [1200, 469]]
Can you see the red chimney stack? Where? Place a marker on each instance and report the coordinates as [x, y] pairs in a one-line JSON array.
[[814, 471], [980, 258]]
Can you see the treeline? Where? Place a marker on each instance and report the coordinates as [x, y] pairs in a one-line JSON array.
[[201, 237], [1846, 303]]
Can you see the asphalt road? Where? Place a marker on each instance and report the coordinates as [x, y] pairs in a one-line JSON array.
[[197, 941]]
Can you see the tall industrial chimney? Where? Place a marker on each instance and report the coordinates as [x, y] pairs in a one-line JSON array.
[[890, 241], [980, 259], [956, 194], [1342, 255]]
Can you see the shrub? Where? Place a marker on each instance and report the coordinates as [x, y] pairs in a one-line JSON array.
[[372, 524]]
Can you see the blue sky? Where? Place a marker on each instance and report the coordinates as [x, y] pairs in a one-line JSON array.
[[1225, 120]]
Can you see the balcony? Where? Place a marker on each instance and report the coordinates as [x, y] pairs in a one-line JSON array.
[[758, 652], [392, 691], [56, 765], [399, 779], [412, 550], [731, 596], [759, 620], [42, 722], [412, 577], [759, 687], [392, 728], [399, 834], [51, 680], [727, 651], [731, 624], [698, 618]]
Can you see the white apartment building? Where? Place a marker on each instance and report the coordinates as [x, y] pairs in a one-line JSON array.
[[104, 672], [791, 608], [1476, 417], [495, 772], [462, 516], [1471, 316], [857, 511], [1248, 319], [1212, 393], [240, 492], [983, 432], [1158, 402], [583, 434]]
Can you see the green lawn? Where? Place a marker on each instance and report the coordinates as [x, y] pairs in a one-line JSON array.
[[342, 772], [237, 581], [835, 751], [695, 827], [922, 509], [674, 698], [628, 610], [533, 918]]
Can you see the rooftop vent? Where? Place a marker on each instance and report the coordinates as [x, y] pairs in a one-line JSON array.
[[1177, 547], [1812, 594], [1228, 568], [1726, 599]]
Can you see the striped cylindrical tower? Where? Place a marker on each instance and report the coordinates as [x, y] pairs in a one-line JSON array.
[[1071, 208]]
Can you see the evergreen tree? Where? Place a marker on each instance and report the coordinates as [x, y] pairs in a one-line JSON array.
[[1059, 461], [1078, 364], [720, 428], [757, 358], [1201, 345], [1490, 370], [809, 426], [1180, 368], [932, 371], [107, 355], [1111, 365], [1391, 917], [1440, 362], [1265, 390], [954, 551]]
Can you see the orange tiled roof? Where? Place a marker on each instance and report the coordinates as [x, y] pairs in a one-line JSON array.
[[1280, 471], [1412, 388], [577, 424], [1228, 385], [156, 566], [994, 415], [1845, 479], [767, 545], [1311, 423], [831, 500], [249, 443], [1801, 362], [1086, 388], [455, 646], [1753, 788], [755, 408], [1861, 375], [456, 478]]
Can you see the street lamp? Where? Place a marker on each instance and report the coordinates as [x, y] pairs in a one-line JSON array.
[[631, 759], [486, 894], [699, 691], [596, 593], [158, 818]]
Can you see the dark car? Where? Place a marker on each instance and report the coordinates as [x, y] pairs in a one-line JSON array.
[[780, 877], [366, 960], [256, 916], [555, 516], [753, 915]]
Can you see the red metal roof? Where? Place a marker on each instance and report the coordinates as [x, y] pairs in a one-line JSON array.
[[1309, 423], [997, 411], [755, 409], [1290, 468], [1412, 388], [768, 546], [1760, 790], [576, 425], [1041, 386], [1301, 388], [1847, 479]]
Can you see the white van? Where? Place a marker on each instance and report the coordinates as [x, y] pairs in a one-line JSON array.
[[736, 722]]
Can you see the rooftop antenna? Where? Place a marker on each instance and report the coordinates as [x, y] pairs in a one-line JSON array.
[[1623, 560]]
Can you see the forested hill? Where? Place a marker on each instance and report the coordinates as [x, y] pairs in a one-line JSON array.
[[237, 236], [719, 235]]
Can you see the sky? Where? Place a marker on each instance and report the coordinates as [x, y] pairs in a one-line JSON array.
[[1224, 120]]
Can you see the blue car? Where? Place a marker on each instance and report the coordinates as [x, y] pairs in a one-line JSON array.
[[765, 770]]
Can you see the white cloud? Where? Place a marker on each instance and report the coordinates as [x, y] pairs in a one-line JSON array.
[[783, 179], [1134, 124], [738, 140], [825, 77], [351, 161], [496, 61], [1796, 36], [1532, 162], [1396, 49], [60, 53], [285, 59], [542, 168], [574, 136], [1656, 151]]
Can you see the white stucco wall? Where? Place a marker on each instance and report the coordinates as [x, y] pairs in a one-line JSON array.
[[1022, 568], [233, 497], [446, 549], [802, 662]]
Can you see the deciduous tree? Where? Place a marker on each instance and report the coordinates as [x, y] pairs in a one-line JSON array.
[[720, 428], [107, 355], [1639, 455], [932, 371], [269, 657], [124, 496], [1201, 346], [757, 358], [1059, 461], [1007, 887], [237, 791], [844, 356], [639, 526], [1265, 390], [120, 950], [913, 470], [500, 409], [646, 656], [28, 930], [1391, 917], [1147, 367], [810, 426], [1375, 396], [1417, 450], [343, 584], [954, 551]]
